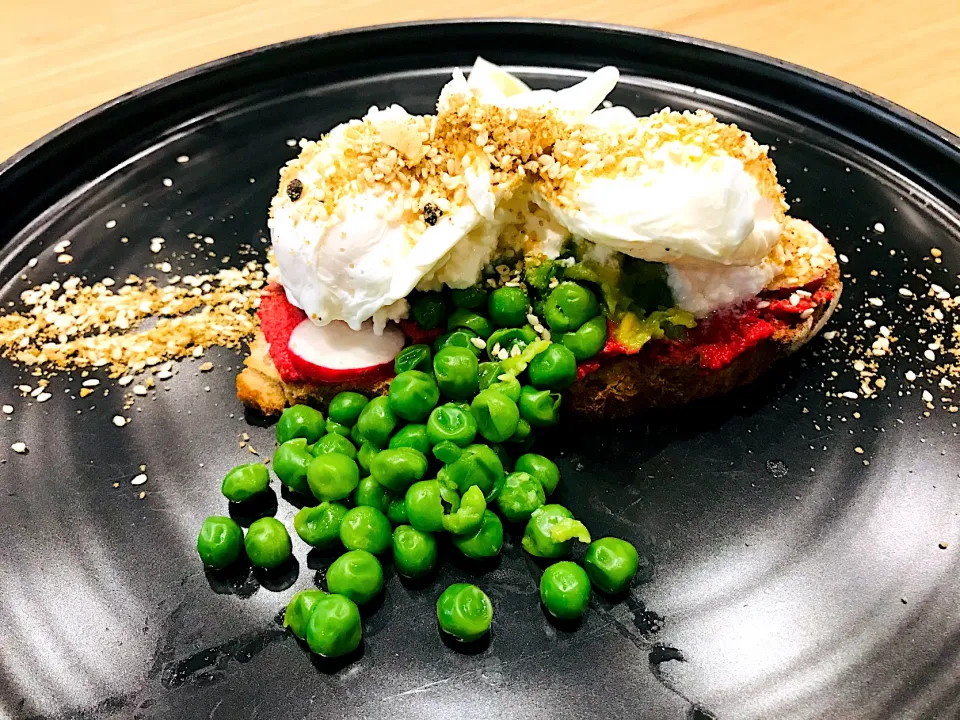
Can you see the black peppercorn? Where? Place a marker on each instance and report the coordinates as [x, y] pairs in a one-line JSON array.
[[431, 213], [294, 189]]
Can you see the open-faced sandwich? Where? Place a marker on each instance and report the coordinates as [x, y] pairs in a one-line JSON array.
[[629, 262]]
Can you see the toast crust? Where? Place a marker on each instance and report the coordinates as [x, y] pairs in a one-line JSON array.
[[623, 386]]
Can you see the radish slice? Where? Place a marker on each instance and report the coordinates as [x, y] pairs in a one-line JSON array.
[[334, 352]]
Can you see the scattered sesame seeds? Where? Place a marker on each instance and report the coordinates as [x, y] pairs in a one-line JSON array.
[[139, 479], [119, 420], [110, 224], [910, 375], [139, 390], [929, 355], [8, 409], [164, 375], [92, 382], [879, 227], [905, 292], [19, 447], [183, 159], [858, 450], [875, 301], [167, 182], [43, 397]]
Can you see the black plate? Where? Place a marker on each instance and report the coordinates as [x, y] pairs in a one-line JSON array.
[[781, 578]]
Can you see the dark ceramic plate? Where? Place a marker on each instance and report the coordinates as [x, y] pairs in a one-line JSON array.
[[782, 577]]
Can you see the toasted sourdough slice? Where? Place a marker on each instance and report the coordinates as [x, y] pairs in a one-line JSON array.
[[622, 386]]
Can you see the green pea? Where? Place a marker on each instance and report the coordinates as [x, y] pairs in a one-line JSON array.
[[464, 611], [398, 469], [365, 457], [299, 609], [290, 463], [429, 310], [457, 372], [565, 590], [508, 307], [611, 564], [447, 452], [462, 338], [497, 415], [219, 541], [588, 340], [372, 494], [411, 436], [332, 476], [553, 369], [377, 421], [485, 542], [319, 526], [365, 528], [540, 468], [505, 460], [540, 408], [414, 552], [523, 433], [356, 574], [569, 306], [334, 627], [470, 298], [346, 406], [355, 437], [338, 428], [478, 465], [508, 339], [397, 512], [334, 443], [470, 320], [300, 421], [468, 517], [509, 387], [267, 543], [245, 481], [551, 530], [413, 394], [413, 357], [451, 422], [520, 496], [426, 502], [489, 372]]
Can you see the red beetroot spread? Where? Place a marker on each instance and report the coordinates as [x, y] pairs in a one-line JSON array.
[[278, 318], [723, 336], [716, 341]]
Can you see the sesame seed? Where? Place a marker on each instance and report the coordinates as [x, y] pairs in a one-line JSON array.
[[533, 319], [164, 375], [139, 390], [19, 447], [119, 420], [905, 292], [876, 302], [858, 450], [167, 182], [910, 375], [763, 304], [92, 382], [65, 259], [8, 409], [111, 224], [929, 355], [879, 227], [183, 159], [126, 380], [868, 323], [850, 395], [935, 252], [479, 342], [794, 300], [927, 396], [806, 313], [43, 397], [844, 258], [139, 479]]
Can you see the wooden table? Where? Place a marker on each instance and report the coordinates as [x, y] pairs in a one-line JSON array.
[[63, 57]]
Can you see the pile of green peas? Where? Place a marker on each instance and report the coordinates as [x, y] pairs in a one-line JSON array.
[[442, 457]]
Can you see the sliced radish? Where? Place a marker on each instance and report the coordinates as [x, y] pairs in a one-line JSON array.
[[335, 353]]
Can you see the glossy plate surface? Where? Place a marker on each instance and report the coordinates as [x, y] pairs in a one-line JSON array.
[[782, 576]]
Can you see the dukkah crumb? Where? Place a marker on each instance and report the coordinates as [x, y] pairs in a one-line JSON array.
[[72, 325]]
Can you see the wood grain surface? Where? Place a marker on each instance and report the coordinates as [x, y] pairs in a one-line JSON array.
[[62, 58]]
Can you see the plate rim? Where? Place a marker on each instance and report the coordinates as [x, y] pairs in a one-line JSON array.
[[917, 121]]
